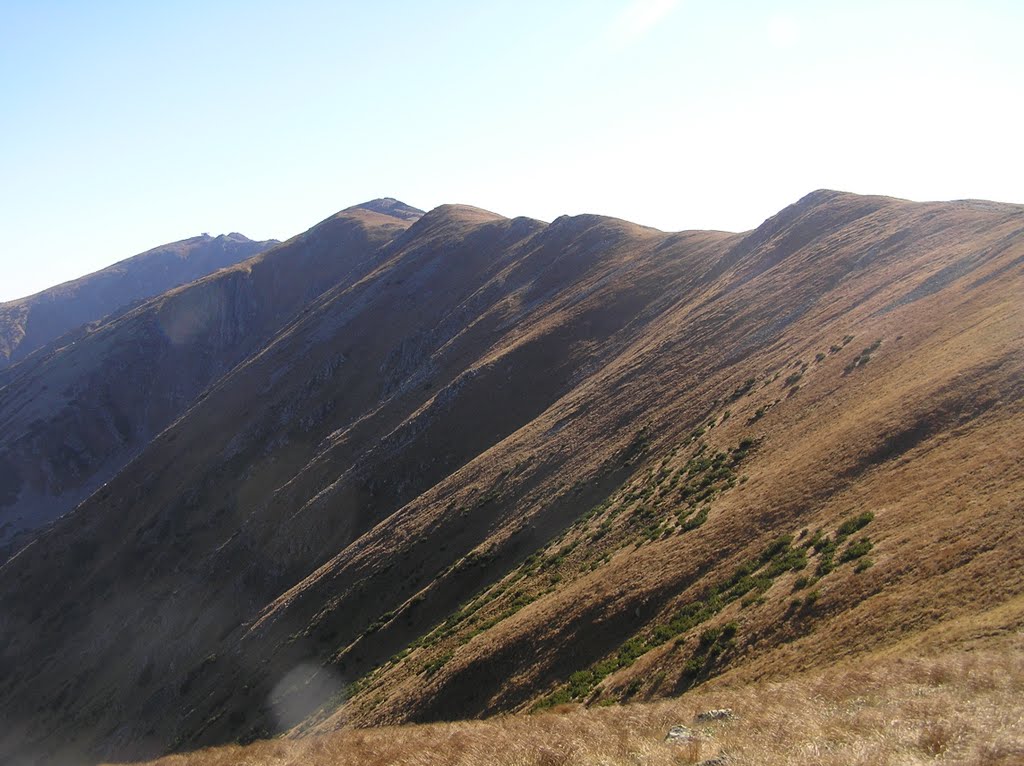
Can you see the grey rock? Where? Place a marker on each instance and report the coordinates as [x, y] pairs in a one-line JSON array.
[[721, 714], [681, 733]]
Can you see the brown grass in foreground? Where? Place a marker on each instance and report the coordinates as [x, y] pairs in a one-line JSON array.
[[958, 708]]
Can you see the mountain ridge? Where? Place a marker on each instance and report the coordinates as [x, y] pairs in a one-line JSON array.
[[503, 464], [174, 344], [29, 323]]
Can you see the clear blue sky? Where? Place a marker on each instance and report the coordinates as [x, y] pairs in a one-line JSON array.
[[124, 125]]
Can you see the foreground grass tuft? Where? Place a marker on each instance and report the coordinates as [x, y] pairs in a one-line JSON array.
[[958, 708]]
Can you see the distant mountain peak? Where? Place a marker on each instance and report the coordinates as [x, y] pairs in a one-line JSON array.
[[390, 206], [458, 213], [34, 321]]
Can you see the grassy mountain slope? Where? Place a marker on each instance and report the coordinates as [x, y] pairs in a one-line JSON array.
[[919, 432], [72, 415], [517, 464]]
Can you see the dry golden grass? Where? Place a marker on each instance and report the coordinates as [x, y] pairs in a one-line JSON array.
[[958, 708]]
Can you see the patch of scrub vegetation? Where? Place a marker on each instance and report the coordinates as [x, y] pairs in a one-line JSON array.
[[713, 644], [863, 357], [761, 411], [743, 389], [672, 496], [863, 565], [748, 584], [835, 348], [753, 576], [856, 550], [434, 665], [826, 547]]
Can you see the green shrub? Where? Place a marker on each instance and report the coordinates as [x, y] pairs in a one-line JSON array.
[[436, 664], [822, 543], [631, 650], [696, 520], [740, 451], [857, 549], [854, 524], [826, 549], [709, 636], [581, 683], [661, 634], [742, 389], [863, 357], [557, 697], [776, 547], [693, 666]]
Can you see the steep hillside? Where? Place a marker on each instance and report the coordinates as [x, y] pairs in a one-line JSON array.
[[28, 324], [72, 415], [515, 464]]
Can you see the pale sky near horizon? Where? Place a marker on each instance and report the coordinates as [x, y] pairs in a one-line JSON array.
[[125, 125]]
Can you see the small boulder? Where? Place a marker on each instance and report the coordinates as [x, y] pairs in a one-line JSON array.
[[691, 745], [681, 734], [722, 714]]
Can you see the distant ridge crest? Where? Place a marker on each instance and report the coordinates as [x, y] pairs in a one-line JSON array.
[[392, 207]]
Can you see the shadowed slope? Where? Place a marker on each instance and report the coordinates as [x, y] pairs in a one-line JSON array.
[[73, 416], [30, 323]]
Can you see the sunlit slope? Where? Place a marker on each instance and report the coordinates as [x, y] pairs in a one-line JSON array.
[[958, 707]]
